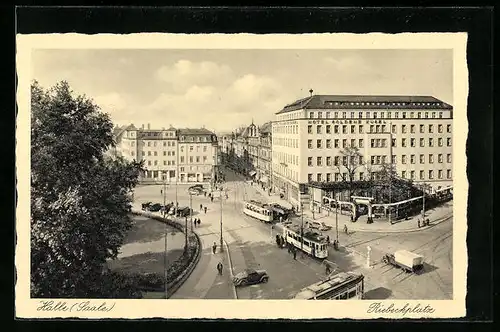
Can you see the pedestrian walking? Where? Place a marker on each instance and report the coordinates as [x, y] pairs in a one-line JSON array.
[[205, 210], [278, 240], [201, 207], [211, 199], [327, 269], [345, 229], [418, 221], [194, 222], [199, 222], [328, 239], [214, 247], [219, 268], [205, 193], [295, 254]]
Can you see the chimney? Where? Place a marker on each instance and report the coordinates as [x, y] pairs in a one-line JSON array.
[[149, 126]]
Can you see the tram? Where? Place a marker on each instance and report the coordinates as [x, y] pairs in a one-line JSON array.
[[258, 210], [342, 286], [312, 242]]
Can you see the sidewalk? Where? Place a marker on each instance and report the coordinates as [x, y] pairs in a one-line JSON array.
[[435, 216], [204, 281]]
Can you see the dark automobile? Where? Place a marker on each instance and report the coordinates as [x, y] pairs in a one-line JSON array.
[[183, 211], [146, 206], [197, 186], [250, 277], [155, 207]]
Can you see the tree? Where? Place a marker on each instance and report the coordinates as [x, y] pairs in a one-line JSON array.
[[393, 188], [79, 196], [352, 159]]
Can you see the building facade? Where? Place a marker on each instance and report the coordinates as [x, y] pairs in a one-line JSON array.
[[183, 155], [264, 155], [198, 155], [311, 136]]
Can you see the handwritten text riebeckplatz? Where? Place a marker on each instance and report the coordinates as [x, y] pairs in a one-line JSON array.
[[84, 306], [380, 308]]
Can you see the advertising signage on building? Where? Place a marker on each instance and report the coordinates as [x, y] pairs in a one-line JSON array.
[[346, 121]]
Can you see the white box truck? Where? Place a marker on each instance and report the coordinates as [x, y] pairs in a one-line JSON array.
[[406, 260]]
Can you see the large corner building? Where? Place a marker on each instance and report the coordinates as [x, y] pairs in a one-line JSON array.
[[412, 132]]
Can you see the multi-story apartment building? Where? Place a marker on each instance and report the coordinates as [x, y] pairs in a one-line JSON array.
[[198, 155], [167, 153], [264, 154], [412, 132]]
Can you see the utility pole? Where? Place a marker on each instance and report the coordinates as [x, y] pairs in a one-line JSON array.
[[221, 241], [191, 210], [302, 227], [166, 237], [337, 219], [423, 202], [390, 172]]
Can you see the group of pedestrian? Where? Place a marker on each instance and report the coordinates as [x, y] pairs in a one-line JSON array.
[[280, 241], [196, 221], [423, 223]]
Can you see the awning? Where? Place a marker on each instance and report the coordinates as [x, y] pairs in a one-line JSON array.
[[252, 173], [264, 179]]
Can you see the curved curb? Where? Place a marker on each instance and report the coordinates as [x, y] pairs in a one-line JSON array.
[[235, 294], [175, 284]]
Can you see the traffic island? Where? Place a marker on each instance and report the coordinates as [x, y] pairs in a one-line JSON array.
[[179, 270]]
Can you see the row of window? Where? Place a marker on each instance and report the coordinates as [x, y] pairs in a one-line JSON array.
[[404, 142], [353, 160], [286, 142], [155, 143], [376, 160], [376, 129], [375, 143], [165, 163], [287, 158], [194, 168], [375, 115], [155, 153], [361, 176], [328, 145], [191, 148], [191, 159]]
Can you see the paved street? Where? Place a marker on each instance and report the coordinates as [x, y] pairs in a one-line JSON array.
[[252, 245]]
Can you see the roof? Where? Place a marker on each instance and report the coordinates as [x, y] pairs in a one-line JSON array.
[[365, 102], [195, 131], [265, 128], [321, 286]]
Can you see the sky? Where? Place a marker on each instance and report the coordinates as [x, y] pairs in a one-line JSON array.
[[225, 89]]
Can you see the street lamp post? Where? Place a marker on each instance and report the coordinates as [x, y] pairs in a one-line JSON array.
[[221, 241], [390, 172], [337, 219], [302, 227], [166, 237], [423, 202], [191, 211]]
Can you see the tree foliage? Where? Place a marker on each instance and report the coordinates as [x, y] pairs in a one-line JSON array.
[[79, 197]]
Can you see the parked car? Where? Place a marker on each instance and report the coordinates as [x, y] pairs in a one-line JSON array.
[[319, 226], [250, 277], [155, 207], [145, 206], [195, 191], [197, 186], [183, 211]]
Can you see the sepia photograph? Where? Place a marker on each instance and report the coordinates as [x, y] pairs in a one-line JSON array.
[[252, 172]]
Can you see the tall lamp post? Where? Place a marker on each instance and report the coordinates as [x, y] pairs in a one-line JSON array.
[[390, 171], [302, 227], [337, 219], [423, 201], [166, 236], [191, 211], [221, 241]]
